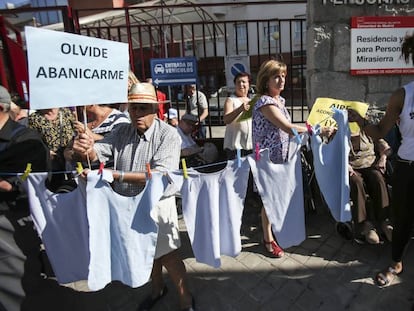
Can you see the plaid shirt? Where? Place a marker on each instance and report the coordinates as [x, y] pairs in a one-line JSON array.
[[160, 146]]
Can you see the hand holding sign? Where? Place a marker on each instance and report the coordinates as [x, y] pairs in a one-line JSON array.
[[322, 112], [354, 116]]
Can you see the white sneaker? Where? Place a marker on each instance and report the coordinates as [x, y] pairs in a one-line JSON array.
[[372, 237], [368, 231]]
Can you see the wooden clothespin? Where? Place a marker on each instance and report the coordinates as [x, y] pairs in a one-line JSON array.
[[257, 152], [27, 171], [79, 168], [184, 165], [238, 154], [101, 167], [148, 170], [296, 136]]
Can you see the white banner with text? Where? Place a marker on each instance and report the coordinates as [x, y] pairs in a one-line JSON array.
[[72, 70], [376, 44]]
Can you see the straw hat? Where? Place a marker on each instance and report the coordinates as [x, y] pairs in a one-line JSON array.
[[143, 93]]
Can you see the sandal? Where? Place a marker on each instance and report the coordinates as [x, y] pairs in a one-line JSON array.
[[385, 278], [277, 251], [150, 301]]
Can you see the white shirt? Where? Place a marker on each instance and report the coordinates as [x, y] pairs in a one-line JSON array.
[[238, 135], [212, 208], [406, 150], [281, 190]]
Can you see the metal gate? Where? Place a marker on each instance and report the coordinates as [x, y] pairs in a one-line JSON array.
[[153, 33]]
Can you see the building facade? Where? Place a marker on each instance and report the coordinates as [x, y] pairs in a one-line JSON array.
[[329, 51]]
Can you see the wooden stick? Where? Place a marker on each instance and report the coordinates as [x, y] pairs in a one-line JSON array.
[[85, 123]]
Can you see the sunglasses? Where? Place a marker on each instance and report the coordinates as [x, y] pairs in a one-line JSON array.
[[142, 108]]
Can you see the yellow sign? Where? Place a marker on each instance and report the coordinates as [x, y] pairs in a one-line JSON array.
[[322, 111], [249, 113]]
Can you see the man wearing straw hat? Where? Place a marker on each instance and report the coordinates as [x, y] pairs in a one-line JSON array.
[[146, 140]]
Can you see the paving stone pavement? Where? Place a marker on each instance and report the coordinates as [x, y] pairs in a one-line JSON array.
[[325, 272]]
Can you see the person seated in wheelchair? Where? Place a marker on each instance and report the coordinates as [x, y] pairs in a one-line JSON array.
[[194, 154], [368, 188]]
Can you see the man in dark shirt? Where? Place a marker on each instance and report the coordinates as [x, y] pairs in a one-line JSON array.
[[19, 146], [19, 243]]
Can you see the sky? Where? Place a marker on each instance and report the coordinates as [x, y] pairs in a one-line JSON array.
[[17, 3]]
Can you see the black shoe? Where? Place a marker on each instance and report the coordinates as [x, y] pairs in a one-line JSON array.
[[192, 308], [149, 302], [345, 230]]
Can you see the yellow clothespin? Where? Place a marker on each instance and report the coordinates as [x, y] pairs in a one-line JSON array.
[[79, 168], [27, 171], [148, 170], [184, 165]]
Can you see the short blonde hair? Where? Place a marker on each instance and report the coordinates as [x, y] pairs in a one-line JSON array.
[[267, 70]]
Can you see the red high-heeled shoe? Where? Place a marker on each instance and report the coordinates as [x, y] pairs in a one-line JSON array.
[[277, 251]]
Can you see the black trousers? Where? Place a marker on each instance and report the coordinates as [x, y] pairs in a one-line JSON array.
[[403, 207], [20, 258]]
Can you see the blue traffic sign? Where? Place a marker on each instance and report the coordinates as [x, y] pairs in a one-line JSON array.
[[237, 68], [174, 71]]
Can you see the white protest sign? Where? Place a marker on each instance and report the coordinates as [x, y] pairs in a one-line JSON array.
[[73, 70]]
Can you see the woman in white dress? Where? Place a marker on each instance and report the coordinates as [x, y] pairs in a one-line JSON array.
[[238, 133]]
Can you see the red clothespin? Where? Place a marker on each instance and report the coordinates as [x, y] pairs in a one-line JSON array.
[[101, 167], [309, 127], [148, 170], [257, 152]]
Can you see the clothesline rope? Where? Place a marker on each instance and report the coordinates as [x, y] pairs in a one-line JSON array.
[[75, 172]]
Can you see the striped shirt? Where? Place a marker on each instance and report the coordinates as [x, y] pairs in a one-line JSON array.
[[160, 146], [115, 118]]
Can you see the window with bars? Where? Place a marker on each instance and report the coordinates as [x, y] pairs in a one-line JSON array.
[[240, 36], [299, 38], [271, 35]]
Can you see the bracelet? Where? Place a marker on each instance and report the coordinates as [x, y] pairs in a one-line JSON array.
[[121, 176]]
